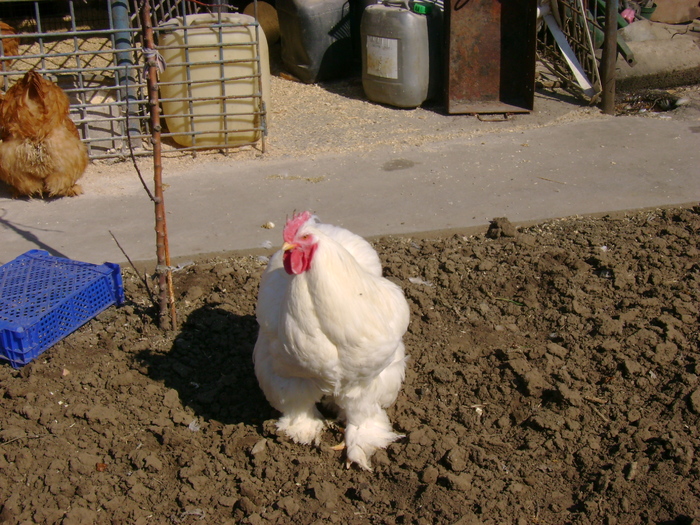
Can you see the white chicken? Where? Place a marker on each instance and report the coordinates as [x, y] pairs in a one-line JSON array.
[[330, 326]]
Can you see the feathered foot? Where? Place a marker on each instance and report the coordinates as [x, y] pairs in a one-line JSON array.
[[74, 191], [364, 440], [58, 190], [302, 428]]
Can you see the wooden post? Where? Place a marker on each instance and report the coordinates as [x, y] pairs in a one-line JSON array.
[[163, 269]]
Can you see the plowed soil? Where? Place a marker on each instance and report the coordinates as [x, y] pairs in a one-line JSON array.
[[553, 380]]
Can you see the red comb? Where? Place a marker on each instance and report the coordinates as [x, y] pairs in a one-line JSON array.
[[293, 225]]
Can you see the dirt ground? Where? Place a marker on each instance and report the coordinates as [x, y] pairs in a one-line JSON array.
[[553, 380], [553, 376]]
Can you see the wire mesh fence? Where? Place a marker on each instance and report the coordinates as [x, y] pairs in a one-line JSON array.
[[93, 50], [577, 25]]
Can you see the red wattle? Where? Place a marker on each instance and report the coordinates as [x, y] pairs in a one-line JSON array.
[[298, 260], [293, 261]]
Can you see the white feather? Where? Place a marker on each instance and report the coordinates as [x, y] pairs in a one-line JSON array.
[[335, 330]]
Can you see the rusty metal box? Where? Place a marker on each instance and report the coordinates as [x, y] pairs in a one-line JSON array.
[[491, 54]]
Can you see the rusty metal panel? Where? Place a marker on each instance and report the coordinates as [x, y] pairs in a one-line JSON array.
[[491, 53]]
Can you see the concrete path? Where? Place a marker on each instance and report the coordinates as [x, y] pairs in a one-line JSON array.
[[603, 164]]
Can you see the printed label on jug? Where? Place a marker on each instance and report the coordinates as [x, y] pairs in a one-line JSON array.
[[382, 57]]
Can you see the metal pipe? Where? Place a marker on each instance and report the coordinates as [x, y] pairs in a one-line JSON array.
[[609, 58], [126, 72]]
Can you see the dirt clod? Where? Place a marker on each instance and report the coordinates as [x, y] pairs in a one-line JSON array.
[[500, 227]]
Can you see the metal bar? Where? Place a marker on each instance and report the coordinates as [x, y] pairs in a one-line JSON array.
[[609, 58], [126, 73], [263, 115], [41, 40]]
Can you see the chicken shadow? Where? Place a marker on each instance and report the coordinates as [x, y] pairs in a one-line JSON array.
[[210, 366]]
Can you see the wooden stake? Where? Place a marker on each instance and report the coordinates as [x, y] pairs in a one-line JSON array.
[[164, 271]]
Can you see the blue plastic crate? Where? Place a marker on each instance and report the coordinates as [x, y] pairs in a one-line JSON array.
[[44, 298]]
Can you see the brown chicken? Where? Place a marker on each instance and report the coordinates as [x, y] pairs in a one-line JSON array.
[[10, 46], [41, 152]]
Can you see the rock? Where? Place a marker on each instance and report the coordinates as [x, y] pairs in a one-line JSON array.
[[642, 30], [180, 417], [486, 265], [660, 63], [29, 412], [634, 415], [611, 345], [24, 460], [365, 493], [547, 420], [424, 436], [578, 308], [516, 487], [525, 239], [259, 447], [8, 514]]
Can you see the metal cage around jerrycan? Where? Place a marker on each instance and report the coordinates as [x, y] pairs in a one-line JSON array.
[[216, 86]]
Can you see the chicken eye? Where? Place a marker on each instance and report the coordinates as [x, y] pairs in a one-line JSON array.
[[305, 237]]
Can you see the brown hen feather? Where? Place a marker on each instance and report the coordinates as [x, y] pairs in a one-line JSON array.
[[41, 152]]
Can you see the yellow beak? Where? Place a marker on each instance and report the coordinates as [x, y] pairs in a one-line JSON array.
[[288, 246]]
